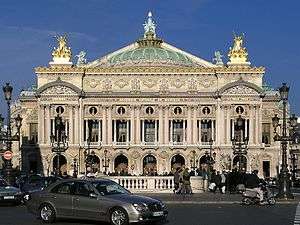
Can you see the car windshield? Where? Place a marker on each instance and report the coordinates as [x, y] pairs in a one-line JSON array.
[[3, 183], [109, 188]]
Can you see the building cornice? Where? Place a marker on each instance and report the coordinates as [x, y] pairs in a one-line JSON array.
[[161, 69]]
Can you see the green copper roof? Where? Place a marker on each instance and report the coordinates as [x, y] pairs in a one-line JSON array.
[[150, 55]]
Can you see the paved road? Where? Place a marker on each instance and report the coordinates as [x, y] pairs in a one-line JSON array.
[[188, 214]]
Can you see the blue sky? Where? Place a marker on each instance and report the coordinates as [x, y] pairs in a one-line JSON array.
[[200, 27]]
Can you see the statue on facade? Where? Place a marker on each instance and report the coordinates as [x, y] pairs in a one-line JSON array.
[[81, 58], [218, 58], [149, 25], [238, 54], [62, 51]]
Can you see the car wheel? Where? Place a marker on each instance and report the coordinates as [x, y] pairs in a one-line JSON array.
[[118, 216], [47, 213]]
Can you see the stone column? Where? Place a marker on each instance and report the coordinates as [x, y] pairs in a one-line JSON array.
[[166, 128], [115, 131], [246, 126], [41, 124], [104, 126], [251, 125], [109, 125], [127, 131], [132, 122], [184, 131], [189, 126], [138, 125], [71, 125], [228, 124], [161, 125], [155, 131], [256, 124], [199, 132], [195, 129], [218, 123], [222, 125], [81, 119], [48, 125], [143, 131], [260, 123], [76, 125]]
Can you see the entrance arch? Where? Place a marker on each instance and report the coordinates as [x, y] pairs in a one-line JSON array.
[[93, 162], [121, 164], [149, 165], [177, 161], [60, 164], [240, 162]]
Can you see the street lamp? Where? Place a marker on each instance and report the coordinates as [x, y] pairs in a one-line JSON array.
[[194, 161], [239, 142], [59, 142], [8, 139], [105, 161], [284, 138], [210, 158]]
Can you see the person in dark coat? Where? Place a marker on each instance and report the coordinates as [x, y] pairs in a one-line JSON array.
[[176, 180]]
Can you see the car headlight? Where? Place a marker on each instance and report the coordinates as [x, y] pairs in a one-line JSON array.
[[141, 207]]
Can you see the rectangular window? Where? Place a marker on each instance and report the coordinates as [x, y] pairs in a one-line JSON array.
[[149, 131], [206, 131], [266, 133], [91, 129], [33, 133]]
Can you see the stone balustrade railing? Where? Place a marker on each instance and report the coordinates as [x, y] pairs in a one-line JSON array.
[[162, 184]]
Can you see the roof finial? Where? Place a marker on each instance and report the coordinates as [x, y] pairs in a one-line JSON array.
[[149, 25]]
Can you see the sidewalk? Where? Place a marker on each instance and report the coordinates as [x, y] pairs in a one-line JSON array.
[[208, 198]]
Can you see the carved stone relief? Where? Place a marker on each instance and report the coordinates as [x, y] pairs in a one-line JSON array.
[[59, 90], [240, 90], [92, 83], [135, 85], [121, 83], [149, 82], [164, 86], [107, 85], [178, 83]]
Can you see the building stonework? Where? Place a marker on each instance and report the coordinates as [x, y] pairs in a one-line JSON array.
[[148, 108]]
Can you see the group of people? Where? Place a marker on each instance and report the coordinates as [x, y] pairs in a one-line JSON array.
[[182, 181], [235, 182]]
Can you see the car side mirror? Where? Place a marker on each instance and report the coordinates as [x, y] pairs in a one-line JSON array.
[[93, 195]]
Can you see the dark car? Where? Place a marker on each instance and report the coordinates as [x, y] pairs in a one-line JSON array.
[[37, 183], [9, 193], [99, 199]]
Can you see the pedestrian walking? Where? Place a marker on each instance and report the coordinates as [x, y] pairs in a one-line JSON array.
[[186, 178], [176, 180], [223, 182]]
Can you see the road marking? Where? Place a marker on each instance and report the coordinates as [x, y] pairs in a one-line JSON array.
[[297, 215]]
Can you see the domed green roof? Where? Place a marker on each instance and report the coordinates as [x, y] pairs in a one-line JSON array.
[[150, 55]]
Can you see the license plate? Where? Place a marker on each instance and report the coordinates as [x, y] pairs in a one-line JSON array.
[[9, 197], [161, 213]]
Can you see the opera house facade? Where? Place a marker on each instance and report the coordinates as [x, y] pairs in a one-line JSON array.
[[148, 108]]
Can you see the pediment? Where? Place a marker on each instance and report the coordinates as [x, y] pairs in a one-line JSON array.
[[240, 90], [58, 90]]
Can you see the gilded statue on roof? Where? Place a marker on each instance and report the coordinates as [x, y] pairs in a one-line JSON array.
[[62, 51]]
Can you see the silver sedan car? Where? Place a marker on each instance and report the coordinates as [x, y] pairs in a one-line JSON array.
[[99, 199]]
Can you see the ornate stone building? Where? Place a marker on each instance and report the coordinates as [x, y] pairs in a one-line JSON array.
[[147, 108]]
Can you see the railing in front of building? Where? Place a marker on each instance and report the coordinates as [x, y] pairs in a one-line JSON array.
[[163, 184]]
